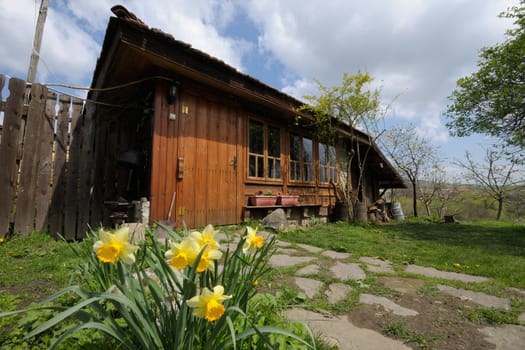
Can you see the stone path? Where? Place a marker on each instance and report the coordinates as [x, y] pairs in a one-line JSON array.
[[339, 331]]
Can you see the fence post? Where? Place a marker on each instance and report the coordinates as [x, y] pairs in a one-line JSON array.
[[14, 108]]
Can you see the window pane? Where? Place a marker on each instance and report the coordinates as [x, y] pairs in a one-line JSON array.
[[260, 167], [295, 172], [331, 155], [322, 174], [274, 142], [252, 166], [323, 159], [333, 175], [274, 168], [295, 147], [256, 137], [307, 150]]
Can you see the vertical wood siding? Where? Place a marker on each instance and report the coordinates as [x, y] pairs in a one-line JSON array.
[[203, 142]]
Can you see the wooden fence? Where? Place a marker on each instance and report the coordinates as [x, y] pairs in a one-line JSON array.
[[46, 161]]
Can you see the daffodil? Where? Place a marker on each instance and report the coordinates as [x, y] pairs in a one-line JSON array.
[[208, 304], [186, 252], [458, 265], [253, 242], [182, 254], [2, 240], [207, 237], [114, 246]]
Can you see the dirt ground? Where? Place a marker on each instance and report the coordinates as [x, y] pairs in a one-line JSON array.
[[442, 321]]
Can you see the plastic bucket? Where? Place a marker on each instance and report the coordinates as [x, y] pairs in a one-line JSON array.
[[397, 211]]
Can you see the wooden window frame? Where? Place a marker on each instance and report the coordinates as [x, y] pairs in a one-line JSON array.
[[267, 159], [300, 164], [329, 167]]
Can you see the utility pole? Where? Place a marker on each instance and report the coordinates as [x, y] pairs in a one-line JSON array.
[[37, 41]]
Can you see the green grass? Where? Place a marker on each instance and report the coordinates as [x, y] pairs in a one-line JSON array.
[[35, 265], [489, 249], [397, 329]]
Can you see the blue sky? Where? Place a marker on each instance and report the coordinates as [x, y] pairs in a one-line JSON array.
[[416, 49]]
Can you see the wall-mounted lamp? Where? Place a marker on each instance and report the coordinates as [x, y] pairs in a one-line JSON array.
[[173, 89]]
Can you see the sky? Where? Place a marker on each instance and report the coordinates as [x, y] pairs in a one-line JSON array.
[[416, 50]]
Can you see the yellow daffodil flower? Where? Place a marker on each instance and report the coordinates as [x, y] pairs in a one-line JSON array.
[[458, 265], [208, 304], [114, 246], [186, 252], [182, 254], [206, 237], [2, 240], [253, 242]]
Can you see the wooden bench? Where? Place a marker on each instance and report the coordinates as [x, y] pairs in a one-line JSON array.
[[305, 210]]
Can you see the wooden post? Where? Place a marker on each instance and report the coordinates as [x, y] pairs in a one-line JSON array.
[[37, 41]]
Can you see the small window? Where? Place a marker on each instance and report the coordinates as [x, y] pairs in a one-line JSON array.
[[264, 154], [301, 159], [327, 168]]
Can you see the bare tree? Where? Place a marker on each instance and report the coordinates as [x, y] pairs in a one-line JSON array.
[[410, 153], [432, 187], [498, 176]]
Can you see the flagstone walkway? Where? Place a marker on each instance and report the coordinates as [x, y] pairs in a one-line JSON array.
[[339, 266]]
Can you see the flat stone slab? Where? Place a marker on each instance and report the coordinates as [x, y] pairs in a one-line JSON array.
[[432, 272], [282, 260], [476, 297], [309, 286], [388, 304], [340, 332], [289, 251], [337, 292], [279, 243], [506, 337], [377, 265], [348, 271], [310, 248], [402, 285], [308, 270], [336, 255]]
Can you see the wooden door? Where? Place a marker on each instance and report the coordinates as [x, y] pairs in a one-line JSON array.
[[207, 155]]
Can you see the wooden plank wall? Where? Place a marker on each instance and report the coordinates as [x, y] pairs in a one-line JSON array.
[[45, 152]]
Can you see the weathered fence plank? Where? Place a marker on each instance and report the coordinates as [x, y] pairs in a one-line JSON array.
[[56, 217], [86, 172], [46, 163], [45, 154], [71, 208], [25, 203], [9, 149]]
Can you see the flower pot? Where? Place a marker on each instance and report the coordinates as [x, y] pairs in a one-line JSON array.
[[263, 200], [287, 200]]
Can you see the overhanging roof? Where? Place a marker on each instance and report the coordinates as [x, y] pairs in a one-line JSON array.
[[133, 52]]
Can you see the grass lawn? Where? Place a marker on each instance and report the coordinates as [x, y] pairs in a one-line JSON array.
[[488, 249], [35, 266]]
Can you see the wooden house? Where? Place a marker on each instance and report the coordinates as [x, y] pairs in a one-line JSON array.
[[196, 138]]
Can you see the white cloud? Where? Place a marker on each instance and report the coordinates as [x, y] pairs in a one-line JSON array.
[[416, 49], [74, 30]]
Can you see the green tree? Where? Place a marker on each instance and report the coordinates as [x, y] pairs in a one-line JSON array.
[[354, 104], [491, 100]]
